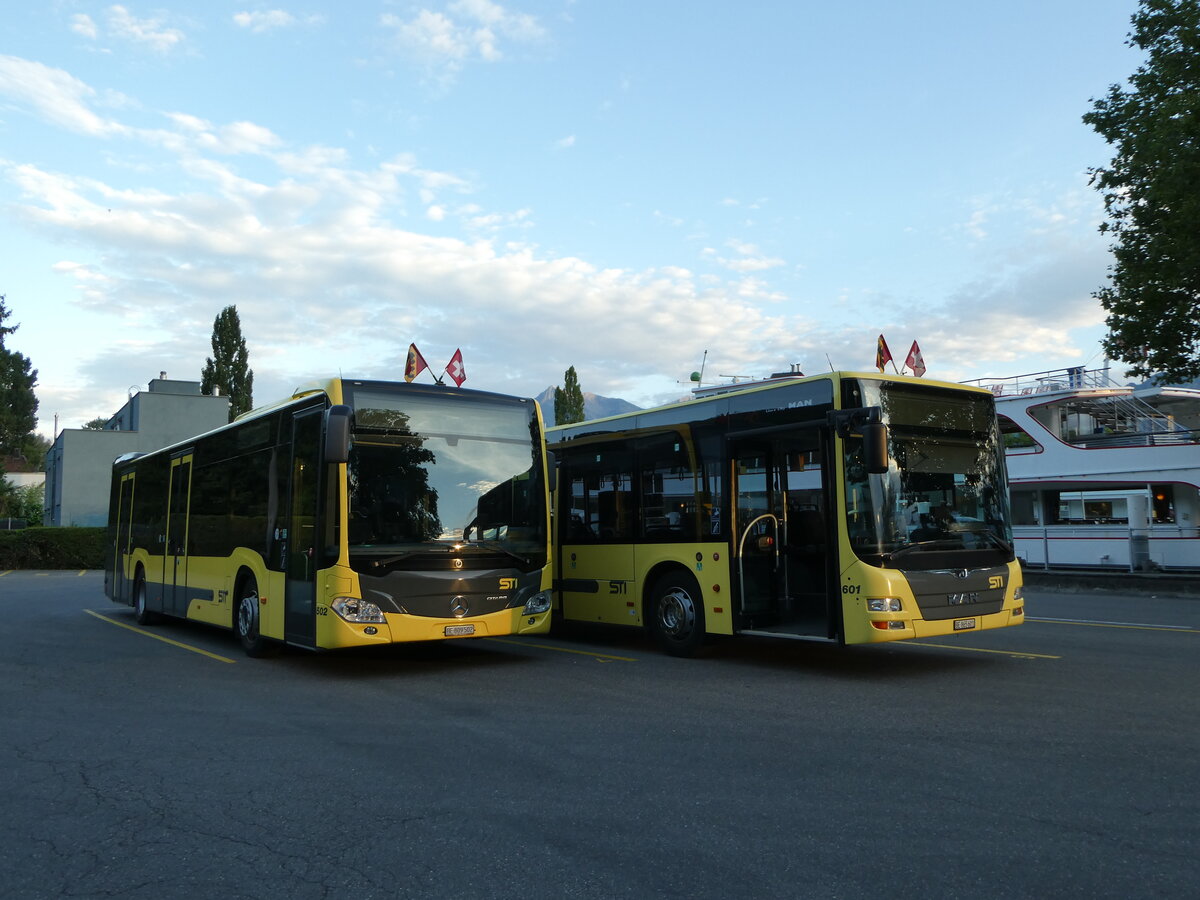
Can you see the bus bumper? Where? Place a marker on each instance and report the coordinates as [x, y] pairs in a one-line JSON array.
[[899, 629], [402, 628]]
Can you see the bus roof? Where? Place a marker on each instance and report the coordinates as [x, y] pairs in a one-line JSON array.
[[332, 388], [764, 386]]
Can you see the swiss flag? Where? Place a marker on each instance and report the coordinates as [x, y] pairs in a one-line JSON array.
[[914, 361], [455, 369]]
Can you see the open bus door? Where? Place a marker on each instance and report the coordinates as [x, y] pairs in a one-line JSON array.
[[122, 539], [784, 554]]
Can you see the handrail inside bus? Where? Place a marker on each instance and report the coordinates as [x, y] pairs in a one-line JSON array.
[[742, 557]]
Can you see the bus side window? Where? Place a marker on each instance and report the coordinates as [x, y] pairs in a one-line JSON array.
[[601, 501], [668, 489]]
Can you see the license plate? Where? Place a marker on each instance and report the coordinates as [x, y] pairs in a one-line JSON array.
[[461, 630], [963, 624]]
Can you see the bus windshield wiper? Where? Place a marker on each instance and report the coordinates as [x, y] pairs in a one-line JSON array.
[[995, 539], [919, 545], [405, 554], [494, 545]]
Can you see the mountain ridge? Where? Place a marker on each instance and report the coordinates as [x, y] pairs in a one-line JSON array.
[[595, 406]]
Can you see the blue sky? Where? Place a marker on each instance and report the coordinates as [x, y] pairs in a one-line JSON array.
[[611, 185]]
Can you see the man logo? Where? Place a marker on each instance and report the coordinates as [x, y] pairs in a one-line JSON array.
[[508, 584]]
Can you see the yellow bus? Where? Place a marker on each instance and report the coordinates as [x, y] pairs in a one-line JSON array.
[[356, 513], [845, 507]]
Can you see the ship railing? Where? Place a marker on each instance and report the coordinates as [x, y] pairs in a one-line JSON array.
[[1162, 547], [1050, 381], [1155, 438]]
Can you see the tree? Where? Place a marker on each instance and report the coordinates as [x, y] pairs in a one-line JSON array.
[[228, 370], [568, 400], [1149, 190], [18, 402], [9, 498], [34, 451], [96, 424]]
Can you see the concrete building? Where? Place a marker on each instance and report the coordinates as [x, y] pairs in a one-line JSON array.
[[79, 465]]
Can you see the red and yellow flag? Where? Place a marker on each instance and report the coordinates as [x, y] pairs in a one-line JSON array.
[[883, 355], [416, 363]]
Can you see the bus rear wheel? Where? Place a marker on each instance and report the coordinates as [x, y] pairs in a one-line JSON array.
[[246, 621], [141, 613], [677, 614]]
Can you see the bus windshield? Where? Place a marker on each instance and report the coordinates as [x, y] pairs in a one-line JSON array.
[[430, 474], [944, 500]]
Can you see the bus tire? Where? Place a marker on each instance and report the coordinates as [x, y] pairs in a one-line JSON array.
[[246, 619], [141, 612], [676, 614]]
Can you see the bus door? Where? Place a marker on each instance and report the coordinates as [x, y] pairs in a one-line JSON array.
[[808, 552], [123, 538], [780, 536], [175, 562], [300, 621], [757, 526], [596, 528]]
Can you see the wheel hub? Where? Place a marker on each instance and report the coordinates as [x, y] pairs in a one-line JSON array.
[[677, 613]]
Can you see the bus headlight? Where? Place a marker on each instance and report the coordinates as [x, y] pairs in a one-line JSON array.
[[884, 604], [538, 603], [352, 609]]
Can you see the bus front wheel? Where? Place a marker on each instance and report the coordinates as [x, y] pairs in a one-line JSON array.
[[677, 614], [246, 619]]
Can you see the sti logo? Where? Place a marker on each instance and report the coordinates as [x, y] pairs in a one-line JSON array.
[[508, 584], [996, 581]]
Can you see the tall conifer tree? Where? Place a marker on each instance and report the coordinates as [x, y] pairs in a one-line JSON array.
[[18, 402], [229, 367], [568, 400]]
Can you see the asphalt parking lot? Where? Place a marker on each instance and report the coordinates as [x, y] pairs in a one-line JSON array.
[[1054, 759]]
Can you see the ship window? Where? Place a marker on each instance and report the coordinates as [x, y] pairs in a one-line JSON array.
[[1016, 439]]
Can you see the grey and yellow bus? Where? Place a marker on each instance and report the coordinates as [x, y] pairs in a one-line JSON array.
[[355, 513], [845, 507]]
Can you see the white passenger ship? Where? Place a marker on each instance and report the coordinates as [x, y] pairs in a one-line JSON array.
[[1101, 475]]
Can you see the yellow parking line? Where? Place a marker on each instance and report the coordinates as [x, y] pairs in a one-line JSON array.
[[562, 649], [9, 572], [1133, 626], [159, 637], [82, 572], [983, 650]]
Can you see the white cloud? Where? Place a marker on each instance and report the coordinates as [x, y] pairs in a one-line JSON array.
[[565, 143], [150, 32], [55, 95], [467, 30], [748, 259], [265, 20], [82, 24]]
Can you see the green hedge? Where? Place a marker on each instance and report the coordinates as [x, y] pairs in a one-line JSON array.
[[52, 548]]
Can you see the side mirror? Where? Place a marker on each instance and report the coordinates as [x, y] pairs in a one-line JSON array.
[[875, 448], [337, 434]]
